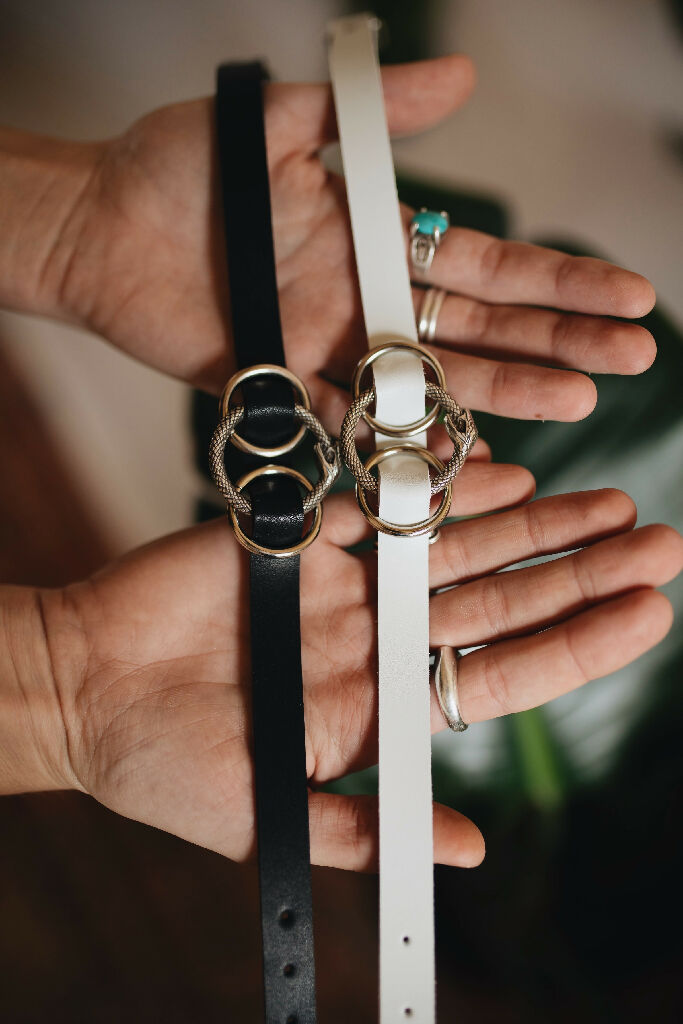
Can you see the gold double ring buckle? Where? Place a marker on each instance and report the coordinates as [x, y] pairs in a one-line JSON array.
[[238, 500], [457, 421]]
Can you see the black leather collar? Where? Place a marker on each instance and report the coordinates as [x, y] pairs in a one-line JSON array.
[[277, 522]]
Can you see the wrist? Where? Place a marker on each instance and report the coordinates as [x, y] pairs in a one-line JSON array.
[[34, 752], [45, 187]]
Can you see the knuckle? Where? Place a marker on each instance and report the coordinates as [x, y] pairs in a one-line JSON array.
[[564, 273], [560, 333], [537, 521], [501, 386], [495, 607], [479, 321], [575, 659], [491, 260], [584, 579], [358, 828], [498, 686], [454, 553]]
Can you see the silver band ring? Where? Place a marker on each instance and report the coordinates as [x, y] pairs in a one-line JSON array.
[[446, 682], [429, 313]]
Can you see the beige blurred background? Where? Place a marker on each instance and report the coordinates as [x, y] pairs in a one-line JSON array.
[[571, 124]]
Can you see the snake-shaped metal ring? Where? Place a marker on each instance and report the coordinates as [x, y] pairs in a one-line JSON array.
[[462, 432]]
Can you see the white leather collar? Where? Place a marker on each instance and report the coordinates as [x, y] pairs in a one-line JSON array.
[[405, 789]]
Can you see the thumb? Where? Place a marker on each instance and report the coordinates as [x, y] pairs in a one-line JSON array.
[[416, 96], [345, 834]]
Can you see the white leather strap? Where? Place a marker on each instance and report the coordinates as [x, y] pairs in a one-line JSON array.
[[405, 789]]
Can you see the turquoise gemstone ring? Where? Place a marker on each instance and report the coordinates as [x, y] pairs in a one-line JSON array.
[[427, 228]]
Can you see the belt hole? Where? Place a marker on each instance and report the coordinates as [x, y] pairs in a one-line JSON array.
[[292, 1019], [286, 918], [289, 970], [408, 1012], [406, 940]]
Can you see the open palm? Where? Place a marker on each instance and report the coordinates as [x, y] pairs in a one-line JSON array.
[[149, 655], [139, 260]]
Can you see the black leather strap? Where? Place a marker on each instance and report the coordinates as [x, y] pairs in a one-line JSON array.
[[243, 169], [280, 756], [277, 522]]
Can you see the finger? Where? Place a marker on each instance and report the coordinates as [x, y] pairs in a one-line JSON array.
[[416, 96], [489, 268], [546, 526], [345, 834], [517, 390], [480, 452], [515, 675], [442, 446], [592, 344], [526, 600], [518, 674], [479, 487], [333, 403]]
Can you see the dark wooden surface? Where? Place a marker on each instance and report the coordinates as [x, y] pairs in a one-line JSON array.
[[105, 920]]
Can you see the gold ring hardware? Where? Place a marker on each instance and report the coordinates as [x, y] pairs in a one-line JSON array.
[[258, 549], [459, 427], [405, 529], [388, 429], [260, 370], [325, 449]]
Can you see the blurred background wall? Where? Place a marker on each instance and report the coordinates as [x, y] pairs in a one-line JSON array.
[[574, 132]]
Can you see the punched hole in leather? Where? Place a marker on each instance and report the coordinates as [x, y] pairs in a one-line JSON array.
[[280, 754]]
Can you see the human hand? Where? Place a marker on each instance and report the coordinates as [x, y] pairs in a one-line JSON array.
[[133, 250], [150, 670]]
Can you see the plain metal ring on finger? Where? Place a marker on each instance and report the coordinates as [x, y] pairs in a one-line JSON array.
[[429, 313], [446, 684]]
